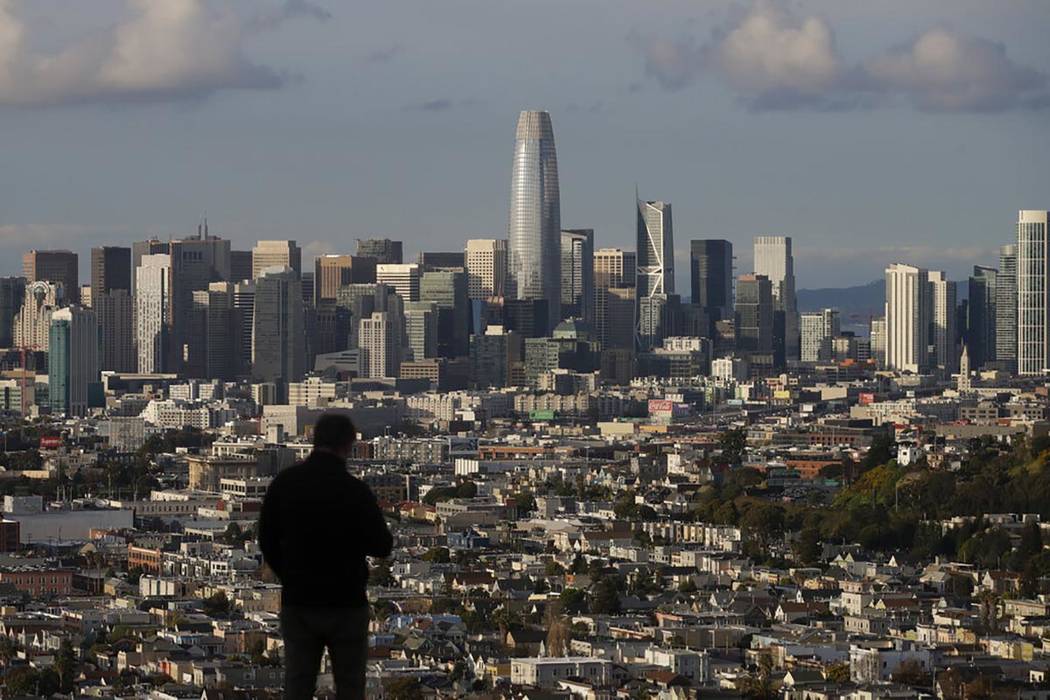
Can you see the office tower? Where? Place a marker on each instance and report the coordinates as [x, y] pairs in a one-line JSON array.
[[384, 250], [240, 265], [1006, 309], [655, 247], [115, 314], [614, 268], [142, 248], [534, 232], [12, 292], [153, 296], [267, 254], [943, 332], [877, 340], [244, 311], [362, 300], [278, 327], [421, 329], [331, 272], [1033, 305], [908, 310], [216, 321], [72, 359], [32, 326], [441, 261], [754, 322], [529, 318], [711, 278], [774, 259], [404, 278], [817, 331], [447, 290], [195, 264], [617, 321], [306, 285], [980, 321], [110, 269], [58, 266], [577, 273], [486, 261], [380, 346], [659, 317], [491, 355]]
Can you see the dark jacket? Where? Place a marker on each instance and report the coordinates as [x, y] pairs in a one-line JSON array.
[[316, 527]]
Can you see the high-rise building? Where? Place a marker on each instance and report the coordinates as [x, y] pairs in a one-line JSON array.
[[534, 232], [943, 332], [577, 273], [110, 269], [216, 321], [655, 247], [12, 292], [614, 268], [441, 261], [267, 254], [1006, 308], [115, 313], [447, 290], [72, 360], [981, 312], [244, 310], [57, 266], [711, 278], [279, 327], [153, 297], [404, 278], [754, 322], [486, 261], [141, 248], [32, 328], [529, 318], [383, 250], [362, 300], [421, 329], [775, 260], [1033, 302], [380, 346], [818, 328], [877, 340], [240, 265], [908, 311], [334, 271]]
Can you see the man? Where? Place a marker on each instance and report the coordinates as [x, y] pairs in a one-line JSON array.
[[318, 523]]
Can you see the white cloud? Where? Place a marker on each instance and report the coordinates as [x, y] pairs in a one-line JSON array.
[[163, 49], [944, 71], [773, 59]]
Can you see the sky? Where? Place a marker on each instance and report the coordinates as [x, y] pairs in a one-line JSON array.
[[870, 132]]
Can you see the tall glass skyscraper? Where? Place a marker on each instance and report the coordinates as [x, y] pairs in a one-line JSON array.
[[534, 233], [1006, 308], [1033, 264]]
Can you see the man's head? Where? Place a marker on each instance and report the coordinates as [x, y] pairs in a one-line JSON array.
[[334, 433]]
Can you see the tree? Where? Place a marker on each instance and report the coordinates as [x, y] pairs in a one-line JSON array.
[[573, 601], [217, 605], [468, 489], [732, 444], [837, 673], [910, 673], [558, 634], [606, 597], [437, 555], [65, 665], [381, 575], [807, 547], [760, 685], [403, 689], [8, 649]]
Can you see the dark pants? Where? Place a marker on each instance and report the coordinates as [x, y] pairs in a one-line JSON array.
[[307, 631]]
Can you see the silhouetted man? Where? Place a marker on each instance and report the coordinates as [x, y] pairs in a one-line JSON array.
[[317, 525]]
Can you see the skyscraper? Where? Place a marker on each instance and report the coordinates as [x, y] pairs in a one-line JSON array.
[[447, 290], [110, 269], [380, 345], [1006, 309], [817, 331], [153, 293], [384, 250], [334, 271], [1033, 303], [267, 254], [240, 265], [774, 259], [58, 266], [33, 321], [577, 273], [534, 232], [244, 311], [279, 327], [943, 332], [654, 237], [12, 292], [72, 359], [615, 272], [754, 322], [421, 329], [908, 310], [486, 261], [216, 321], [980, 322], [711, 278], [404, 278]]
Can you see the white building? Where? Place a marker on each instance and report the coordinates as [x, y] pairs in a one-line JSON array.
[[32, 324], [1033, 302], [404, 278], [152, 311], [546, 672], [818, 328], [942, 301], [268, 254], [774, 259], [907, 318], [486, 261], [379, 340]]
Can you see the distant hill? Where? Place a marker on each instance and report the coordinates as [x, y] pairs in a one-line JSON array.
[[854, 303]]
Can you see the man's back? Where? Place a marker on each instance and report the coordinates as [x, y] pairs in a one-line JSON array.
[[317, 525]]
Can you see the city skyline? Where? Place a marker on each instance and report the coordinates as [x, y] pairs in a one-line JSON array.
[[712, 151]]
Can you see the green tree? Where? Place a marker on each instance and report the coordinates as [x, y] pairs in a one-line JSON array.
[[437, 555], [606, 597], [66, 665], [732, 443], [403, 689], [573, 601], [217, 605], [380, 575]]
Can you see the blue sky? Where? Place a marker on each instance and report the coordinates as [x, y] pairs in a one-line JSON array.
[[904, 130]]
